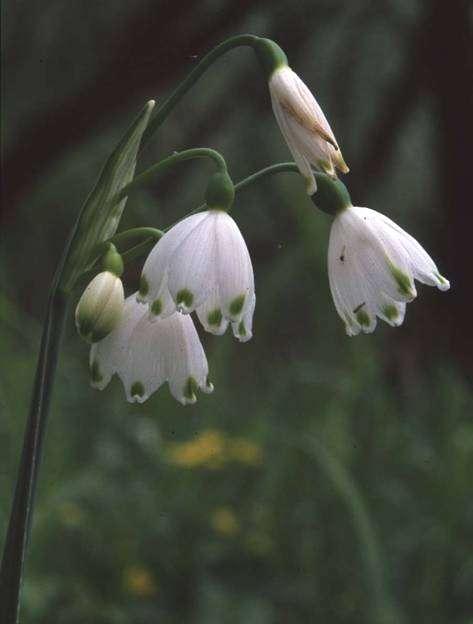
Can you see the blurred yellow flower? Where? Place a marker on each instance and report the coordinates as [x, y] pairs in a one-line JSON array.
[[225, 522], [212, 449], [140, 582], [207, 449], [71, 514], [245, 451]]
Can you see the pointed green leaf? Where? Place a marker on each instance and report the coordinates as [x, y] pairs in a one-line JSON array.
[[100, 216]]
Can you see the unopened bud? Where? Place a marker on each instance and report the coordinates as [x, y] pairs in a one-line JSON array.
[[100, 308]]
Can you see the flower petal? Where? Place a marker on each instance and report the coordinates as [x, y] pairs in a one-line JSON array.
[[192, 265], [234, 269], [381, 260], [186, 364], [423, 267], [142, 370], [107, 355], [155, 270], [353, 300], [243, 330], [301, 161], [211, 316]]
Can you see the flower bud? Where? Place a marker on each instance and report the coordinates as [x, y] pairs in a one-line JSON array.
[[100, 308]]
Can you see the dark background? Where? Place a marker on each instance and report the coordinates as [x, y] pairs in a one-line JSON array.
[[214, 513]]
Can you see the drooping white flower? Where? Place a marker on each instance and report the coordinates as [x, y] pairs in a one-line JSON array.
[[146, 354], [372, 264], [202, 264], [304, 126], [100, 307]]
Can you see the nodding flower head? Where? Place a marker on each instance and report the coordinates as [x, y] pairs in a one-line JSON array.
[[372, 264], [304, 126], [202, 264], [146, 354], [101, 306]]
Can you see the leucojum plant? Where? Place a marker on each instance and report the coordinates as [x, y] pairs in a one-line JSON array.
[[201, 264]]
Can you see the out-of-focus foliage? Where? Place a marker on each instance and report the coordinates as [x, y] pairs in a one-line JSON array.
[[326, 479]]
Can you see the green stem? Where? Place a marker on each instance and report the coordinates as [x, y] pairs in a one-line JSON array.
[[124, 237], [163, 111], [190, 154], [144, 247], [286, 167], [150, 236], [139, 250], [254, 177], [139, 232], [20, 518]]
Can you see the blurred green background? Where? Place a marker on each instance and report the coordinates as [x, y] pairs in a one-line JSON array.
[[327, 479]]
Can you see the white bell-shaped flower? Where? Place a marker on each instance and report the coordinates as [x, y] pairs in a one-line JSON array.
[[202, 264], [100, 307], [372, 264], [146, 354], [304, 126]]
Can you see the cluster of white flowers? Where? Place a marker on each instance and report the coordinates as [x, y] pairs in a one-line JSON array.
[[202, 264], [372, 262]]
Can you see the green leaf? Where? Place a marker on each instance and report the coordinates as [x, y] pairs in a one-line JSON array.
[[100, 216]]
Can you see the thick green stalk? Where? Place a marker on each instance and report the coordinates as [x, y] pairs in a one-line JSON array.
[[163, 111], [23, 501]]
